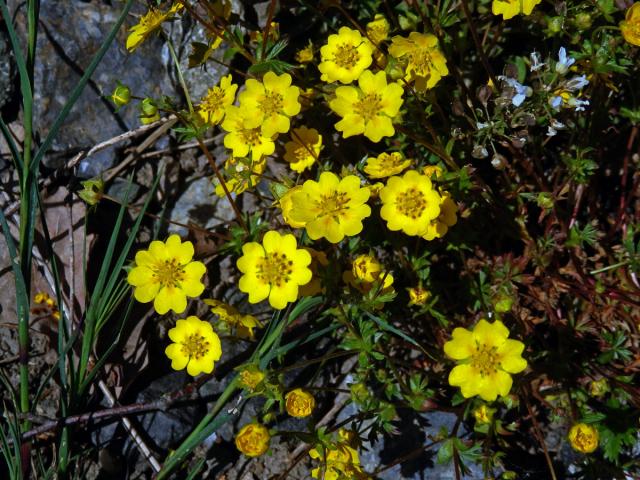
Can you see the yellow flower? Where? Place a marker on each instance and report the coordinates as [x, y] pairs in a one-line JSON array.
[[240, 174], [231, 318], [245, 134], [299, 403], [378, 29], [426, 64], [386, 165], [305, 55], [42, 297], [630, 26], [583, 438], [483, 414], [318, 260], [274, 269], [345, 56], [303, 149], [253, 440], [486, 359], [271, 102], [286, 205], [166, 274], [409, 203], [215, 102], [368, 109], [195, 346], [510, 8], [331, 208], [365, 272], [148, 23], [447, 218], [418, 296], [339, 461], [251, 377]]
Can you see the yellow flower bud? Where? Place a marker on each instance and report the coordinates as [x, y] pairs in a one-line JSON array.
[[149, 111], [598, 388], [583, 438], [483, 414], [250, 378], [121, 95], [299, 403], [418, 296], [253, 440], [92, 191]]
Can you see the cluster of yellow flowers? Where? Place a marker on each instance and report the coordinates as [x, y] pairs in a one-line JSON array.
[[338, 460]]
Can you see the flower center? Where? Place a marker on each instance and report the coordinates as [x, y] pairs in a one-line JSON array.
[[583, 440], [333, 204], [274, 269], [368, 106], [346, 56], [195, 346], [485, 360], [213, 101], [411, 203], [251, 136], [271, 103], [168, 273], [421, 61]]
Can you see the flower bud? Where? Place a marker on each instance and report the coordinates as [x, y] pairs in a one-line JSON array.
[[121, 95], [299, 403], [149, 111], [253, 440], [583, 21], [92, 191]]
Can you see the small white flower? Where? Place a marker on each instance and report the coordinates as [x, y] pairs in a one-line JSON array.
[[536, 63], [564, 62], [577, 83]]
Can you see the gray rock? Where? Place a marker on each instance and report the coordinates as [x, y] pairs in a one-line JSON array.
[[198, 204]]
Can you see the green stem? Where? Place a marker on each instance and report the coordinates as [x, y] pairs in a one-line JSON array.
[[180, 76]]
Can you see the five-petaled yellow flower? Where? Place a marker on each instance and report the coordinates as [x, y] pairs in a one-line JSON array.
[[368, 109], [584, 438], [273, 269], [630, 26], [215, 102], [331, 207], [386, 165], [195, 346], [271, 102], [149, 23], [409, 203], [486, 359], [303, 149], [166, 274], [253, 440], [345, 56], [299, 403], [510, 8], [426, 64], [245, 134]]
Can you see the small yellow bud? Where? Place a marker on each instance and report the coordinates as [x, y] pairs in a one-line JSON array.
[[598, 388], [250, 378], [149, 111], [483, 414], [121, 95], [418, 296], [92, 191]]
